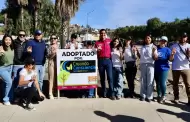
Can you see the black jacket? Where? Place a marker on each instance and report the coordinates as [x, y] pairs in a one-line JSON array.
[[19, 48]]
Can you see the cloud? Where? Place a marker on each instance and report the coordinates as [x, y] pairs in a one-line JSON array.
[[137, 12]]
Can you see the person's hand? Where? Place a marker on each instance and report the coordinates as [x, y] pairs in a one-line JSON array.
[[99, 48], [41, 95], [173, 51], [2, 51], [120, 50], [33, 78], [68, 46], [134, 49], [153, 50], [76, 45], [29, 49]]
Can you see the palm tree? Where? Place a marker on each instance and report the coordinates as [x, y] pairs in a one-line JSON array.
[[21, 4], [66, 10], [35, 5]]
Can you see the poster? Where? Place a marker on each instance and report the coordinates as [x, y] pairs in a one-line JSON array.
[[76, 69]]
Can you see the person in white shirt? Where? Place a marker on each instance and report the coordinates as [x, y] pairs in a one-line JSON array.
[[130, 56], [28, 84], [117, 56], [180, 67], [147, 54], [73, 44]]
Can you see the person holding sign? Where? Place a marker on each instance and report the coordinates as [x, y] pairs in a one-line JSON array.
[[105, 63], [6, 62], [180, 67]]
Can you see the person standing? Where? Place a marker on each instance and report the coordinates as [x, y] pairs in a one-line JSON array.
[[147, 54], [52, 65], [117, 57], [37, 49], [105, 63], [162, 68], [73, 44], [130, 56], [180, 67], [6, 62], [19, 46]]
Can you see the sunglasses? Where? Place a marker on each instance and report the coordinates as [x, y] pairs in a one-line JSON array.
[[37, 34], [22, 35], [53, 38]]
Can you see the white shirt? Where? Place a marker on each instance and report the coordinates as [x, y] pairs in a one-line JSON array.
[[128, 54], [180, 61], [27, 76], [72, 45], [146, 54], [115, 55]]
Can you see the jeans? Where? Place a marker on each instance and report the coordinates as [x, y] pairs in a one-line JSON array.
[[161, 78], [118, 81], [186, 79], [40, 69], [91, 92], [147, 80], [16, 71], [106, 65], [130, 73], [5, 74]]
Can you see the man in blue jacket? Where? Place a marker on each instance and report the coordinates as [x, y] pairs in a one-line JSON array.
[[37, 49]]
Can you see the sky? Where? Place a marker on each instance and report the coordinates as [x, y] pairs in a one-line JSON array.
[[120, 13]]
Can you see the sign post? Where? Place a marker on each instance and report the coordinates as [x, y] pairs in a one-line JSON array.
[[76, 69]]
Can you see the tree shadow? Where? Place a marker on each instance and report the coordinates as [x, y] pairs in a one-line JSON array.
[[183, 115], [118, 118], [181, 105]]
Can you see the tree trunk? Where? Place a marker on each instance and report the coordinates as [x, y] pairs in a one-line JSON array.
[[35, 19], [63, 33], [22, 18]]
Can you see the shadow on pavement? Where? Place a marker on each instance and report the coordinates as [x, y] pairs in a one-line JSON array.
[[182, 106], [118, 118], [183, 115]]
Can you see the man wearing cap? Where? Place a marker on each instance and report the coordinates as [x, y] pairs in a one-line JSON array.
[[180, 67], [105, 63], [37, 49]]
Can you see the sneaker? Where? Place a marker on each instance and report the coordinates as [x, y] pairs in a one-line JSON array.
[[159, 99], [51, 97], [30, 107], [148, 100], [7, 103], [112, 98], [142, 99], [163, 99], [176, 101], [118, 97]]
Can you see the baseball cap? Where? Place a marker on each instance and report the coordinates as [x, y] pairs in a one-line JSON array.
[[165, 38], [38, 32], [184, 34], [74, 36], [29, 60]]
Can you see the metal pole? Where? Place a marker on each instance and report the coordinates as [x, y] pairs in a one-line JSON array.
[[87, 22]]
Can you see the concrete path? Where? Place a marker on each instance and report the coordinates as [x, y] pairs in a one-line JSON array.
[[96, 110]]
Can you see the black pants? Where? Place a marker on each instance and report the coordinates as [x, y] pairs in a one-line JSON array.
[[29, 94], [130, 73]]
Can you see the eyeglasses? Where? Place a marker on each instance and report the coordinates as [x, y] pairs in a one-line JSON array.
[[22, 35]]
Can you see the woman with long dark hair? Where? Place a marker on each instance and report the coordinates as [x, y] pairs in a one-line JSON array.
[[130, 56], [148, 54], [6, 62], [116, 56]]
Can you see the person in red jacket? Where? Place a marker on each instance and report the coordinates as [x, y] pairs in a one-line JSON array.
[[105, 63]]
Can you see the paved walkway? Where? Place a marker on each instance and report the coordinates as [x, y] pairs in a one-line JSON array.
[[96, 110]]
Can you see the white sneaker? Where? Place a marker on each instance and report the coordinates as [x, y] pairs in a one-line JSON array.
[[30, 107], [51, 97], [7, 103]]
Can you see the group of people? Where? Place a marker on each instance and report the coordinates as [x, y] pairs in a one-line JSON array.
[[22, 66], [154, 65]]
